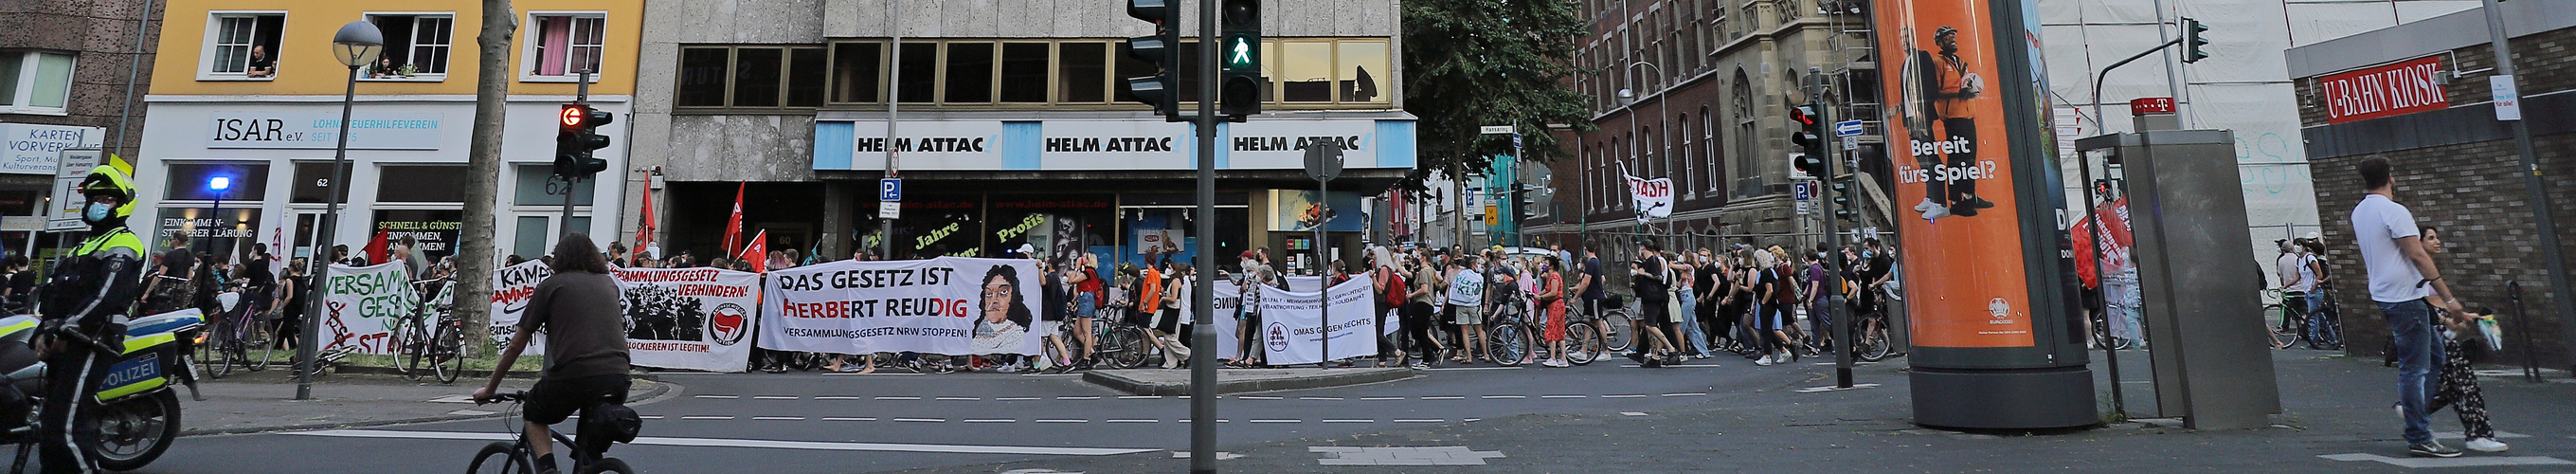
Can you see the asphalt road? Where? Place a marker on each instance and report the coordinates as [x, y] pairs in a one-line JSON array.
[[828, 423]]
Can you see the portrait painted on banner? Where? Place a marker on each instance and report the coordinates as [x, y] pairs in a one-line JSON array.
[[1003, 317]]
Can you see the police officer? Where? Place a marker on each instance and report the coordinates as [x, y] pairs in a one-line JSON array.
[[89, 295]]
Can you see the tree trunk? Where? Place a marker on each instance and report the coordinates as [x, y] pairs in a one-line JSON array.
[[483, 169]]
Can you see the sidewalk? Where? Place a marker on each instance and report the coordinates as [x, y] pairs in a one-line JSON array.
[[265, 401], [2337, 417]]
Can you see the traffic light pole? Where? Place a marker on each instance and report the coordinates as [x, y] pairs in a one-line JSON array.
[[894, 85], [2533, 182], [1203, 298], [581, 95], [1834, 298]]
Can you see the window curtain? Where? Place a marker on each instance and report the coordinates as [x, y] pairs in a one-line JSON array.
[[554, 38]]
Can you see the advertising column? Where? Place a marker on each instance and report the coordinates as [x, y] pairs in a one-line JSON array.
[[1988, 285]]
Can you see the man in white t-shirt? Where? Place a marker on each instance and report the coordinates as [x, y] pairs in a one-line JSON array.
[[2400, 271], [2295, 282], [1467, 305]]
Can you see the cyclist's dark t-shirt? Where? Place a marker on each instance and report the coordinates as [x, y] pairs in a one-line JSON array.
[[1648, 288], [585, 333], [175, 262], [1592, 268]]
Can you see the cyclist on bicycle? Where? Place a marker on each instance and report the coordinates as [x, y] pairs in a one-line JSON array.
[[586, 358], [90, 292]]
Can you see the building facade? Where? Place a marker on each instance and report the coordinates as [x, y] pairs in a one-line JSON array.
[[1009, 128], [2418, 95], [1707, 86], [251, 93], [65, 69]]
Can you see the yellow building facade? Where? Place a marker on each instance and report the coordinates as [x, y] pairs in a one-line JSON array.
[[248, 93]]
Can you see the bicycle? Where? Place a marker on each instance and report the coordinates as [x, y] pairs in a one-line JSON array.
[[1507, 333], [517, 458], [434, 346], [236, 333], [2328, 319]]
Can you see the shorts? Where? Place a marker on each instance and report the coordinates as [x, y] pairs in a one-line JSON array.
[[1762, 317], [552, 400], [1467, 314], [1085, 306], [1655, 312]]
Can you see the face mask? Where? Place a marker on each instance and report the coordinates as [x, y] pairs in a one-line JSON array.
[[97, 212]]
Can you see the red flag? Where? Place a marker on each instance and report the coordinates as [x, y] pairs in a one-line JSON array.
[[377, 247], [758, 252], [733, 226], [644, 233]]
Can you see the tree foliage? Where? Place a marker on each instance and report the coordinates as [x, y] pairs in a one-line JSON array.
[[1471, 63]]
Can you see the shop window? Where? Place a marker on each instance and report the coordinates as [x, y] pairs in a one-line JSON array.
[[421, 183], [537, 186], [34, 81], [561, 46], [857, 69], [1024, 72], [416, 46], [969, 68], [312, 184], [243, 46], [749, 77], [1082, 72], [196, 181]]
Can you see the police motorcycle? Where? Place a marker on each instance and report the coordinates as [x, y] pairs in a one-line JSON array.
[[138, 413]]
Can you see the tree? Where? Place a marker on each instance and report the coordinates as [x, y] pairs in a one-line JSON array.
[[1471, 63], [483, 162]]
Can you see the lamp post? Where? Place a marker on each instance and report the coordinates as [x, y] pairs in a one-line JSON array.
[[355, 45], [214, 213]]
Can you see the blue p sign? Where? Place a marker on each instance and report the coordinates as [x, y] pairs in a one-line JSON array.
[[890, 189]]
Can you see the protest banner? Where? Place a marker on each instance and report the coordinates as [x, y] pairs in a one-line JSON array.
[[945, 305], [364, 304], [1293, 329], [511, 288], [688, 318]]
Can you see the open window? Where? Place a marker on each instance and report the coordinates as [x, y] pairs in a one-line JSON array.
[[562, 45], [242, 46], [416, 46]]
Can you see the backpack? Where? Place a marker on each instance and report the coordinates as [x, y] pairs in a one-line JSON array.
[[1395, 290]]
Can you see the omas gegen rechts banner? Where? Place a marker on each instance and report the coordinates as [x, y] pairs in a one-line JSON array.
[[946, 305]]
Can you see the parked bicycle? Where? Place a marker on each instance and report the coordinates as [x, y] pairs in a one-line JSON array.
[[515, 457], [1507, 332], [236, 335], [432, 338]]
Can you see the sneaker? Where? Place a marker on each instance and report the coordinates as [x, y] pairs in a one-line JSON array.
[[1936, 213], [2433, 449], [1964, 210], [1654, 363], [1556, 363], [2486, 445], [1927, 205], [1974, 203], [1765, 361], [1419, 366], [1638, 357]]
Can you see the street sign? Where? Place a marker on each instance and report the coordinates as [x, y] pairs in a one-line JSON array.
[[1847, 128], [1516, 140], [73, 167], [1806, 207], [1493, 218], [889, 210], [1323, 161], [890, 189], [1804, 190], [1851, 142], [2508, 103], [1493, 129], [1471, 198]]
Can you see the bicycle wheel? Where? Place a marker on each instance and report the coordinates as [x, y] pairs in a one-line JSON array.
[[607, 465], [1874, 344], [1509, 343], [496, 458], [1582, 342], [448, 351], [259, 341], [2282, 336], [1616, 332], [1127, 346], [409, 346]]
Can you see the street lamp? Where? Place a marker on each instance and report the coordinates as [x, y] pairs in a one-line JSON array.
[[218, 184], [355, 45]]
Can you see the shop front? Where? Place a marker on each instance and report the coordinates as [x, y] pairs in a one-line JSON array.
[[1119, 191], [233, 175]]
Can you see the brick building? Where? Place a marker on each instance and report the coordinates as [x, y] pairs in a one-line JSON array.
[[1709, 83], [63, 72], [2417, 94]]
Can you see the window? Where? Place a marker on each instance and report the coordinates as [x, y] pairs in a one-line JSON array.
[[416, 46], [1708, 145], [1082, 72], [312, 185], [750, 77], [920, 69], [856, 71], [1024, 72], [1690, 170], [421, 184], [537, 186], [1748, 180], [564, 45], [189, 181], [34, 81], [1353, 61], [243, 45], [969, 68]]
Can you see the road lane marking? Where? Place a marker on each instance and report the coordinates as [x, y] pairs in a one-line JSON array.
[[650, 417], [707, 417], [991, 420], [1277, 421], [1013, 399], [1329, 420], [1319, 398], [779, 418], [838, 397], [959, 399], [752, 443], [1140, 397], [849, 418], [1381, 398], [720, 397], [1563, 396], [1687, 394], [1085, 397], [1133, 421], [1064, 421], [2467, 461], [923, 420], [898, 398], [1409, 420], [1258, 397], [1476, 368], [1495, 397], [1633, 413], [1445, 398], [1623, 396]]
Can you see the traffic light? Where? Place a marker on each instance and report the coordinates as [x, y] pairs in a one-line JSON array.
[[2194, 39], [578, 140], [1161, 50], [1840, 190], [1241, 93], [1809, 137]]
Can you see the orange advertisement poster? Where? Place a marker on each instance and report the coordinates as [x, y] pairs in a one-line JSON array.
[[1965, 281]]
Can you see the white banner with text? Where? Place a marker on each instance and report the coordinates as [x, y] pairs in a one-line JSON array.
[[946, 305]]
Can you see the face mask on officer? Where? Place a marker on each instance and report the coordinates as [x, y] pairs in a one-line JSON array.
[[98, 210]]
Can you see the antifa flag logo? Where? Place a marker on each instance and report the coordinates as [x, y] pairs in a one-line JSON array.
[[727, 323], [1276, 337]]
